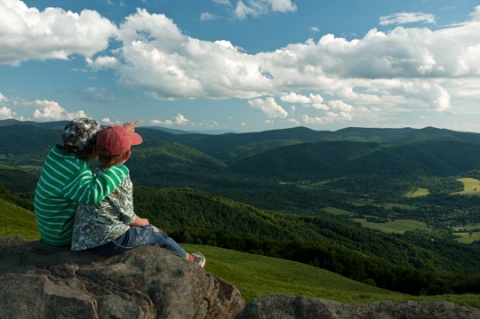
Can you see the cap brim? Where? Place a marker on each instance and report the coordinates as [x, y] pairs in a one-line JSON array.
[[136, 138]]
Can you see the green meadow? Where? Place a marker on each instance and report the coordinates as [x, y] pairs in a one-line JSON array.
[[256, 276], [417, 192], [16, 221], [471, 186]]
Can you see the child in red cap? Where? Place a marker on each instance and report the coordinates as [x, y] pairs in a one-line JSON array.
[[112, 226]]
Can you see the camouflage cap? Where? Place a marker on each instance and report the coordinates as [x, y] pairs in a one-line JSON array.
[[80, 133]]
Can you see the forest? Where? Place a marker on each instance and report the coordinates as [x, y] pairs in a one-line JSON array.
[[270, 193]]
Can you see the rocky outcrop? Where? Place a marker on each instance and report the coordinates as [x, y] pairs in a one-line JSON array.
[[283, 307], [40, 281]]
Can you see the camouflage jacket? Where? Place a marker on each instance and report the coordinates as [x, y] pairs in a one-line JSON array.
[[98, 224]]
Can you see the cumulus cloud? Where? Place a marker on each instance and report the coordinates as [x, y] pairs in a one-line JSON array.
[[51, 110], [181, 120], [414, 66], [313, 100], [6, 113], [50, 34], [164, 63], [407, 17], [269, 107]]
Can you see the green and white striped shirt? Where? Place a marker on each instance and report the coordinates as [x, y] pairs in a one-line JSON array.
[[67, 180]]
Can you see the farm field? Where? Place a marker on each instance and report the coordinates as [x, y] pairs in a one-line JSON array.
[[471, 186], [398, 226], [417, 192]]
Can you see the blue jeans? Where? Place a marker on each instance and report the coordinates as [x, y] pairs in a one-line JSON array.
[[138, 236]]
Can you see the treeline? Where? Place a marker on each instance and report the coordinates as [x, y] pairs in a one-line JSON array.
[[407, 264], [24, 200]]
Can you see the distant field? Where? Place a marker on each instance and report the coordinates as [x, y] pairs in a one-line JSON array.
[[471, 186], [417, 192], [465, 236], [398, 226], [338, 212]]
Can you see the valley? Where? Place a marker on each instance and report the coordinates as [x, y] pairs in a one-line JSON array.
[[397, 208]]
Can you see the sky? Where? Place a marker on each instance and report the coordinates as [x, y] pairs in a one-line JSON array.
[[243, 66]]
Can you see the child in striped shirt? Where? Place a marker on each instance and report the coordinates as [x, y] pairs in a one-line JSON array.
[[67, 180]]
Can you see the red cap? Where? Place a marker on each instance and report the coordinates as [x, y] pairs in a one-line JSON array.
[[115, 140]]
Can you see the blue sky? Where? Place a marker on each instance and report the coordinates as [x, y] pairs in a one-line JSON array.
[[243, 66]]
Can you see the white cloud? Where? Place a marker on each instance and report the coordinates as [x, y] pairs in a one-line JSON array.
[[102, 62], [293, 98], [6, 113], [313, 100], [106, 120], [50, 110], [28, 33], [3, 98], [407, 17], [159, 122], [181, 120], [269, 107], [166, 64], [386, 70]]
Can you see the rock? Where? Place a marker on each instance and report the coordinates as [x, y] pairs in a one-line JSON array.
[[45, 282], [284, 307]]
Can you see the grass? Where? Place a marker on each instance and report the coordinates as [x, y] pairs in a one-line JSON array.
[[256, 276], [398, 226], [466, 238], [417, 192], [16, 221], [471, 186]]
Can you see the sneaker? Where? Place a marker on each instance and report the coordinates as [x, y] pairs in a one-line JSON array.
[[198, 258]]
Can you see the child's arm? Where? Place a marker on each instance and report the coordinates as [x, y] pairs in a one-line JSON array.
[[140, 222], [89, 189]]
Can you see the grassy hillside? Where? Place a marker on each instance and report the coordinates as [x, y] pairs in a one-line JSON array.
[[16, 221], [256, 276]]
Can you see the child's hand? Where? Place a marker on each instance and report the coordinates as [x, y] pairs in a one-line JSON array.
[[139, 222], [131, 126]]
